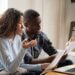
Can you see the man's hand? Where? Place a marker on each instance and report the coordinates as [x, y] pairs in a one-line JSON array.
[[33, 43], [27, 44], [44, 65], [64, 57], [21, 70]]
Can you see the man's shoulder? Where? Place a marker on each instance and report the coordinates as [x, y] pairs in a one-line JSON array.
[[43, 35]]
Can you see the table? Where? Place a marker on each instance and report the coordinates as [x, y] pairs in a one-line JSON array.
[[66, 70], [55, 73]]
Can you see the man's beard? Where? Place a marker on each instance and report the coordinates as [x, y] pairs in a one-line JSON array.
[[33, 35]]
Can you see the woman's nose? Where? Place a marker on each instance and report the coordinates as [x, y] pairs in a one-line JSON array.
[[22, 26]]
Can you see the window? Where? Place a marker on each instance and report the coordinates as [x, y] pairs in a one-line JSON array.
[[3, 5]]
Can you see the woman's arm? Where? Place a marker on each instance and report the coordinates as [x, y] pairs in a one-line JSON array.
[[8, 63]]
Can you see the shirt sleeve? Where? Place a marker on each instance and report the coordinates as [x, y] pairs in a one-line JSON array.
[[47, 45], [9, 64], [32, 67], [28, 57]]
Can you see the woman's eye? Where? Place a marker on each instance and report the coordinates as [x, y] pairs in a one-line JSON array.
[[20, 23]]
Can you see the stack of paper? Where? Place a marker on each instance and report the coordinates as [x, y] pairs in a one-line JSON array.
[[67, 69], [52, 65]]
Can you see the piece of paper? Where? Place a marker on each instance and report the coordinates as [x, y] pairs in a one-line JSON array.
[[55, 62], [66, 69], [70, 47]]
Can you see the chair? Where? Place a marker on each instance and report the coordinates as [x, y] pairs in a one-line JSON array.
[[72, 29]]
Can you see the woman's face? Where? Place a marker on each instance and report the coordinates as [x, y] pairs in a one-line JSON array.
[[20, 26]]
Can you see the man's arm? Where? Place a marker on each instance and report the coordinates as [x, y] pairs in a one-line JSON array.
[[28, 59], [47, 45], [44, 60]]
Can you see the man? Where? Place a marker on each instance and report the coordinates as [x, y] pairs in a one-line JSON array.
[[32, 32]]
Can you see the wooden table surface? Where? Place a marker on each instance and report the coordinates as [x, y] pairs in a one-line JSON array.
[[60, 71], [55, 73]]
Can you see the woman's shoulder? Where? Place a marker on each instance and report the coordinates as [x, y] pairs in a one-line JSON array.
[[17, 38], [3, 39], [3, 42]]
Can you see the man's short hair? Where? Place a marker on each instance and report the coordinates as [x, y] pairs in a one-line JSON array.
[[30, 15]]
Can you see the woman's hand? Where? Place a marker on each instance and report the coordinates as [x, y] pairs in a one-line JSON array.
[[44, 65], [21, 70], [27, 44], [72, 39]]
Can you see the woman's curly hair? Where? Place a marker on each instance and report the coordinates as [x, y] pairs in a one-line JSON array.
[[8, 21]]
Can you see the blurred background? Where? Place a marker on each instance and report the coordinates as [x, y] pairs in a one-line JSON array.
[[56, 16]]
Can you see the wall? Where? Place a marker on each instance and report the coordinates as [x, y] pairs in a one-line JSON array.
[[70, 15], [21, 5], [3, 6], [54, 21], [52, 14], [27, 4], [51, 19], [62, 25]]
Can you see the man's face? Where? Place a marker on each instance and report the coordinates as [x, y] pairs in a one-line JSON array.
[[33, 27]]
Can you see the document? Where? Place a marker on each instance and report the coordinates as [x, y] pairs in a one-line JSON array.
[[66, 69], [70, 47], [54, 63]]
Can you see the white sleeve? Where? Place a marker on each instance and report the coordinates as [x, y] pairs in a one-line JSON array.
[[32, 67], [10, 65]]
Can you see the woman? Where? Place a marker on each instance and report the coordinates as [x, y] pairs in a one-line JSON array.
[[12, 50]]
